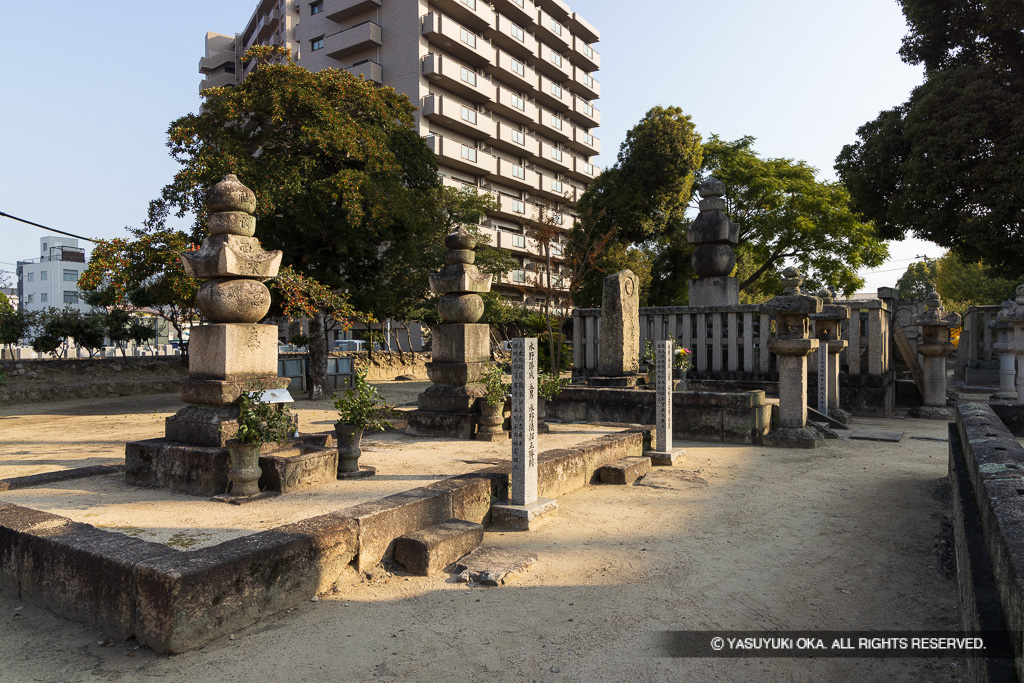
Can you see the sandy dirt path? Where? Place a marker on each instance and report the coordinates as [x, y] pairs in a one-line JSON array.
[[748, 538]]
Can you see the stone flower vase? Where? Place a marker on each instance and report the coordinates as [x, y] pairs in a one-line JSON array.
[[680, 375], [491, 419], [349, 438], [542, 412], [245, 468]]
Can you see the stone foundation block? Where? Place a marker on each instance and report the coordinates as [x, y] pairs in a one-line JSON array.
[[460, 343], [794, 437], [714, 291], [215, 392], [202, 425], [299, 471], [626, 471], [441, 425], [253, 351], [523, 517], [195, 470], [434, 548]]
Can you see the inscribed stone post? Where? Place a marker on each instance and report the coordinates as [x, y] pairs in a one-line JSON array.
[[823, 379], [619, 345], [523, 479], [663, 384]]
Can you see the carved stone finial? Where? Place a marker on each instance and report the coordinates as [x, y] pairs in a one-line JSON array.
[[826, 295], [791, 279], [712, 187]]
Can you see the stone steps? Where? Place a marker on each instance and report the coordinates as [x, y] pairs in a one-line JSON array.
[[625, 471], [435, 547]]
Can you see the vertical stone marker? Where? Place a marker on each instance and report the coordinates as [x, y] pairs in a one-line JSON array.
[[665, 454], [524, 509], [935, 347], [1015, 315], [618, 349], [828, 331], [1004, 333]]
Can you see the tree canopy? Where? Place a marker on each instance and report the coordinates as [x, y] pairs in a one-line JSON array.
[[918, 281], [946, 165]]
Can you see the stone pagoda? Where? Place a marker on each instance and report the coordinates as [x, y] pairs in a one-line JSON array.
[[935, 347], [460, 346], [715, 236]]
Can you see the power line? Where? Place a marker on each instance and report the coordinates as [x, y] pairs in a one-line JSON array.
[[39, 225]]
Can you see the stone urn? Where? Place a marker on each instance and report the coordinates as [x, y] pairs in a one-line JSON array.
[[492, 417], [542, 412], [245, 468], [349, 450]]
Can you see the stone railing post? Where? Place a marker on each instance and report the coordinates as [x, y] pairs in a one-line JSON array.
[[828, 330], [935, 347], [792, 346]]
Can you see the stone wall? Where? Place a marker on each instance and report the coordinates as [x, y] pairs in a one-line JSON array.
[[986, 464], [35, 381], [387, 366]]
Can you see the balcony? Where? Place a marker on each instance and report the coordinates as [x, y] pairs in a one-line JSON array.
[[556, 190], [454, 154], [553, 127], [267, 23], [523, 12], [582, 28], [552, 32], [340, 10], [584, 85], [584, 113], [552, 95], [582, 170], [459, 78], [458, 40], [369, 70], [216, 81], [514, 175], [474, 14], [584, 55], [552, 64], [558, 160], [515, 141], [510, 208], [556, 8], [457, 184], [513, 72], [514, 107], [513, 38], [584, 143], [214, 62], [354, 40], [458, 117]]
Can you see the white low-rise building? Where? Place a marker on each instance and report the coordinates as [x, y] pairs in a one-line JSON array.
[[51, 281]]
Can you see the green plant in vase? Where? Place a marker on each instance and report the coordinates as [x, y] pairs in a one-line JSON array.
[[259, 422], [492, 407], [360, 408]]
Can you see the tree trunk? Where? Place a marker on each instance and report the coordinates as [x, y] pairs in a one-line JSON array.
[[319, 388]]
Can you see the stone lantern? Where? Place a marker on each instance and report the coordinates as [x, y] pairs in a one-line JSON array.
[[1003, 329], [461, 346], [714, 258], [935, 347], [792, 345], [828, 331], [1015, 314]]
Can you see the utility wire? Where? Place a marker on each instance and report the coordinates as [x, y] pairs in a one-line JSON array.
[[38, 225]]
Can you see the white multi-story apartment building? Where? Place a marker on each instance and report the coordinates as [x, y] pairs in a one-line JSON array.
[[51, 281], [505, 91]]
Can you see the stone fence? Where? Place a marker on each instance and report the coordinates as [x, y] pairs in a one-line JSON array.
[[976, 361]]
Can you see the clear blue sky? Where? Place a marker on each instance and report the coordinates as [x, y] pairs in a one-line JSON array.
[[87, 102]]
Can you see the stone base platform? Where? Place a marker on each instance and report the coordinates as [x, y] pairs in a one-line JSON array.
[[794, 437], [523, 517], [627, 382], [932, 413], [441, 425], [626, 471], [666, 458], [305, 462]]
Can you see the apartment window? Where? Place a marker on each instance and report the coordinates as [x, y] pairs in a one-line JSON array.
[[588, 80], [556, 154], [43, 275], [518, 172], [556, 122], [518, 102], [43, 297], [317, 44], [71, 297], [588, 139], [588, 51], [468, 76], [519, 67], [556, 186], [31, 277], [588, 109], [556, 27], [518, 276], [556, 59], [70, 276], [520, 3], [557, 219], [556, 90], [556, 250], [316, 8], [468, 115], [588, 169], [518, 206], [468, 153], [467, 37], [519, 241], [518, 33], [28, 298], [519, 137], [469, 3]]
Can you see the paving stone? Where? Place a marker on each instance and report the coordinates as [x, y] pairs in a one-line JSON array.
[[436, 547], [888, 435], [626, 471], [493, 566]]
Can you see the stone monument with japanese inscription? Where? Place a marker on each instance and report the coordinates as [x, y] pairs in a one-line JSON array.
[[460, 346], [663, 454], [1003, 330], [714, 258], [1015, 316], [524, 508], [618, 348]]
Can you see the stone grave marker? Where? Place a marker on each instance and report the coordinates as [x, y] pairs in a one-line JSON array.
[[665, 454]]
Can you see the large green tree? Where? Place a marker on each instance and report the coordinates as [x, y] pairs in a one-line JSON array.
[[344, 184], [946, 165]]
